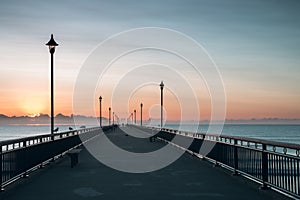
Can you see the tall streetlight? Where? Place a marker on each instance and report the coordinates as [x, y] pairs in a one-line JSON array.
[[113, 118], [141, 114], [161, 103], [109, 111], [52, 44], [100, 111], [134, 116]]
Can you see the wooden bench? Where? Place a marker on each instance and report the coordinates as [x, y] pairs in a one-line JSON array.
[[74, 156]]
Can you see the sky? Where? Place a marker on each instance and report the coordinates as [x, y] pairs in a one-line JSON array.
[[255, 45]]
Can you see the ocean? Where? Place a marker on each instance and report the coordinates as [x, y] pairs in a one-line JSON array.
[[20, 131], [274, 132]]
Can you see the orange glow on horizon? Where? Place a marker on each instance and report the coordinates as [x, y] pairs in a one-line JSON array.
[[238, 107], [32, 106]]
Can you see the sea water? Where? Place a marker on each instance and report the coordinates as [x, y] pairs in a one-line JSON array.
[[271, 132], [274, 132], [20, 131]]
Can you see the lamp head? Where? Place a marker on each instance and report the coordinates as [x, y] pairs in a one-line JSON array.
[[52, 44], [162, 85]]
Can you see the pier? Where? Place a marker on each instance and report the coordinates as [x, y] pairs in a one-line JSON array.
[[189, 177]]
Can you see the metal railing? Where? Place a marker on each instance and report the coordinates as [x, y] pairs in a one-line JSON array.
[[20, 156], [274, 164]]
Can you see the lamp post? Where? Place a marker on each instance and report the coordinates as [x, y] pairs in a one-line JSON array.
[[161, 103], [109, 111], [100, 111], [141, 114], [134, 116], [113, 118], [52, 44]]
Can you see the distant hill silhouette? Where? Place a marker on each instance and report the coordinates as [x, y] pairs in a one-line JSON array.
[[45, 119], [3, 116], [88, 120]]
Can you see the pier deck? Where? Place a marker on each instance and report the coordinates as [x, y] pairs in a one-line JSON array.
[[187, 178]]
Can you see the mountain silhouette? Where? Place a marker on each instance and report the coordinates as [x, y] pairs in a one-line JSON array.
[[44, 119]]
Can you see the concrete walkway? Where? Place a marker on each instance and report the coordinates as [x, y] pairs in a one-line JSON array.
[[187, 178]]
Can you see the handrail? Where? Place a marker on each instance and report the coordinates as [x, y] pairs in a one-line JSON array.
[[26, 141], [259, 142], [20, 156], [274, 164]]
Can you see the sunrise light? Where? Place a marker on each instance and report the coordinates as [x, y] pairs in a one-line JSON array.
[[33, 106]]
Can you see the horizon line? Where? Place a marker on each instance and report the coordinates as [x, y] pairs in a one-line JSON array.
[[82, 115]]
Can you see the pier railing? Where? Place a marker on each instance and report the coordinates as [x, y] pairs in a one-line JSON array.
[[20, 156], [273, 164]]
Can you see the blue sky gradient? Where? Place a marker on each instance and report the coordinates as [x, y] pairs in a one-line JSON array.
[[256, 45]]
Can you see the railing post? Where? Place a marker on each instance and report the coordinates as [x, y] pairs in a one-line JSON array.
[[298, 178], [264, 160], [235, 157], [1, 161]]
